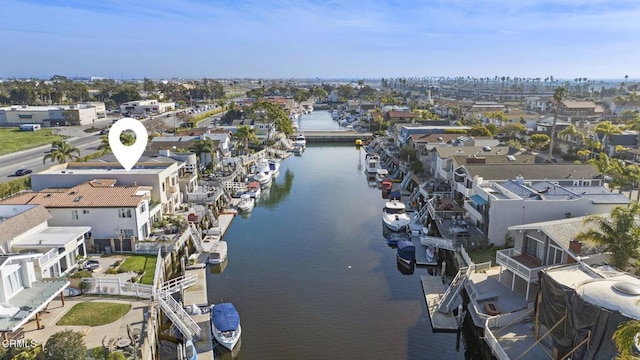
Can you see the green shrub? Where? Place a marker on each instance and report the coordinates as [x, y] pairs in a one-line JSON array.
[[81, 274], [111, 271], [116, 355]]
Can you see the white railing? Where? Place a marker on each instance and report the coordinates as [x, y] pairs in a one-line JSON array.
[[235, 186], [444, 304], [475, 214], [465, 255], [196, 238], [500, 321], [177, 284], [505, 258], [45, 260], [179, 317], [110, 286]]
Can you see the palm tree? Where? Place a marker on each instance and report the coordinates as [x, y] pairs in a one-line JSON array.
[[559, 94], [62, 152], [203, 146], [619, 233], [125, 138], [625, 338], [245, 135]]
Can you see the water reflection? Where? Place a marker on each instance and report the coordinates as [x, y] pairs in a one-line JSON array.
[[277, 192], [219, 268], [226, 354], [404, 268]]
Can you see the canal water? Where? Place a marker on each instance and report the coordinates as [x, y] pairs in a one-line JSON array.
[[311, 275]]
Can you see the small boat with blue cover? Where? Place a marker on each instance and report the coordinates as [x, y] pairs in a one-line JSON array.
[[225, 324]]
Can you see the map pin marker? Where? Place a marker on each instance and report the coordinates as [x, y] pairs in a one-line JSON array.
[[127, 155]]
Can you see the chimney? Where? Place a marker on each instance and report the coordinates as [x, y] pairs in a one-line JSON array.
[[576, 247]]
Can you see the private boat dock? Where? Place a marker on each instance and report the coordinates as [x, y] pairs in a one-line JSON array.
[[197, 295], [336, 136]]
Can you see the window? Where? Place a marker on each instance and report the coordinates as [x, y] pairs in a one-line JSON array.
[[555, 255], [534, 247], [74, 214], [143, 208], [124, 213], [13, 283], [85, 211], [128, 233]]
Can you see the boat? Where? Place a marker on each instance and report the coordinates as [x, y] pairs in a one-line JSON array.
[[225, 324], [253, 189], [394, 216], [373, 163], [381, 175], [394, 238], [406, 252], [298, 150], [246, 202], [387, 184], [274, 166], [217, 249], [190, 351], [430, 255], [263, 172], [300, 140]]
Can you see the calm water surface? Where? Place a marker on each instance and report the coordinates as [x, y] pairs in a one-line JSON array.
[[311, 275]]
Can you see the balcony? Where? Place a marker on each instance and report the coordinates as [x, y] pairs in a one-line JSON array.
[[523, 265], [472, 211], [459, 187], [44, 262]]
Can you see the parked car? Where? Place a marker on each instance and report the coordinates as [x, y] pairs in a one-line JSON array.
[[21, 172], [104, 131], [91, 265]]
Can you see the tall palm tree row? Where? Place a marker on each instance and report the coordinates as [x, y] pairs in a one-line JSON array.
[[559, 94], [62, 152]]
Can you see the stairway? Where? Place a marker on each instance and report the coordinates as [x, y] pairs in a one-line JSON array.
[[179, 317], [445, 302], [406, 180], [174, 311], [196, 237]]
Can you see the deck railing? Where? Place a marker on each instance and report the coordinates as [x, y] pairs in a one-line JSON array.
[[506, 259]]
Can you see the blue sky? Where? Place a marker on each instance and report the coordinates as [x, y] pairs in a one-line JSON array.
[[328, 39]]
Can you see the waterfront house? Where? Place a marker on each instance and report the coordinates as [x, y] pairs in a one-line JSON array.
[[53, 250], [99, 204], [162, 174], [579, 308], [493, 206], [393, 116], [579, 109]]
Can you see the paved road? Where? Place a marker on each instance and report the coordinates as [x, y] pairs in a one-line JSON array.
[[86, 142]]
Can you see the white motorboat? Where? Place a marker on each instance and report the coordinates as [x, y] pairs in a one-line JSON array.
[[300, 140], [225, 324], [381, 174], [394, 216], [217, 249], [253, 189], [246, 202], [263, 172], [298, 150], [274, 166], [373, 164]]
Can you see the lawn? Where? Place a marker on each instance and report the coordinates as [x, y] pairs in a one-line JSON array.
[[137, 263], [12, 140], [484, 255], [94, 313]]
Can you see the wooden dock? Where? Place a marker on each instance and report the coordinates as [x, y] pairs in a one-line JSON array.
[[421, 253], [197, 294], [433, 289]]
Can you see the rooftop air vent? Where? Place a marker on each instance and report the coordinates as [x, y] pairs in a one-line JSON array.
[[627, 288]]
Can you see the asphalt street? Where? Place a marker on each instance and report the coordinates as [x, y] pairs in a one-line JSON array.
[[87, 143]]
